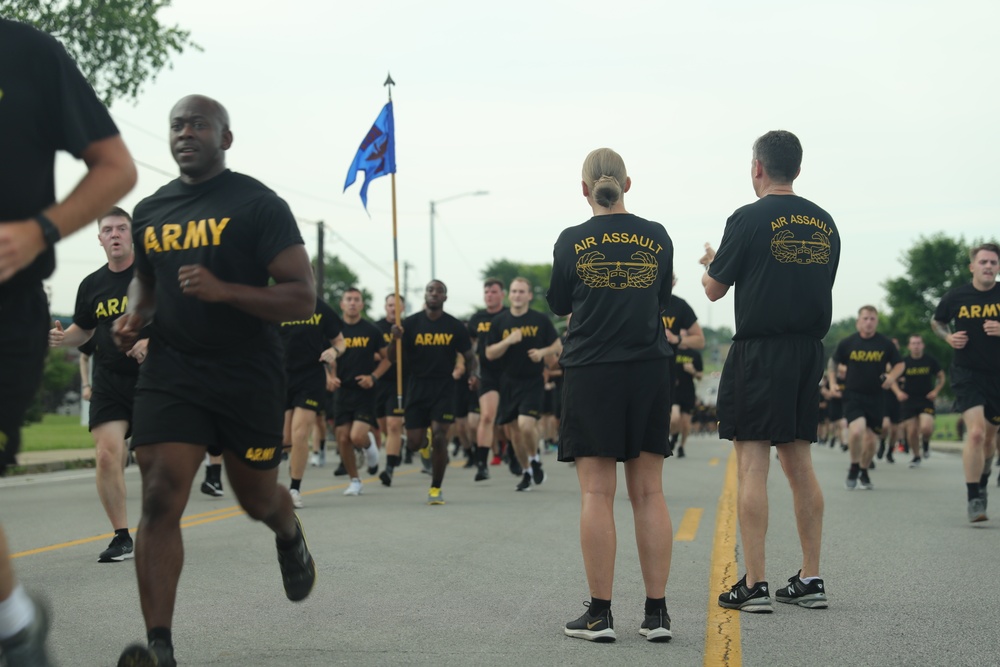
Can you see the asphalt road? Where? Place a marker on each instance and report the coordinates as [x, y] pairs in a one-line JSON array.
[[491, 577]]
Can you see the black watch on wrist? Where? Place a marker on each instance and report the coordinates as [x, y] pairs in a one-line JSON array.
[[49, 231]]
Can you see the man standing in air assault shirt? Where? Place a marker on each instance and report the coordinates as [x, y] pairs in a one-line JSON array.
[[521, 339], [975, 369], [782, 254], [100, 300], [308, 344], [431, 340], [866, 355], [207, 245]]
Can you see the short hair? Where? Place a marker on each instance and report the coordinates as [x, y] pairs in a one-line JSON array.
[[392, 295], [350, 289], [439, 282], [989, 247], [912, 336], [522, 279], [868, 308], [114, 212], [605, 175], [780, 152], [489, 282]]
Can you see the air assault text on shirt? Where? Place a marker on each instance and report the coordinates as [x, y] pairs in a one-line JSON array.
[[618, 237], [801, 220]]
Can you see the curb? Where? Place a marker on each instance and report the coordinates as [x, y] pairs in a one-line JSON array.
[[50, 466]]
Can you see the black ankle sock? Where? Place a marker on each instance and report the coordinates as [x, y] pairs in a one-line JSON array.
[[215, 471], [322, 445], [482, 455], [296, 484], [393, 460], [983, 481], [973, 490], [163, 634], [122, 532], [855, 467], [654, 604], [597, 605]]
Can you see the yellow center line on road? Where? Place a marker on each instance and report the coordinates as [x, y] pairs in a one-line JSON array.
[[714, 461], [688, 529], [722, 632]]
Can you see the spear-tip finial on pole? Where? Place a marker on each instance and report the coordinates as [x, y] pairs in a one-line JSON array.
[[390, 83]]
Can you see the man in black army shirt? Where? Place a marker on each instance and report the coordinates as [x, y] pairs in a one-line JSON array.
[[431, 340], [683, 333], [521, 339], [207, 245], [46, 106], [388, 406], [101, 299], [354, 401], [865, 355], [782, 253], [923, 379], [487, 382]]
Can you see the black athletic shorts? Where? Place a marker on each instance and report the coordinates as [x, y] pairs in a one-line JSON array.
[[306, 389], [112, 398], [914, 407], [869, 406], [892, 409], [974, 388], [549, 402], [386, 401], [616, 410], [835, 409], [769, 390], [354, 404], [520, 396], [24, 328], [472, 398], [462, 397], [684, 398], [429, 400], [220, 402], [488, 382]]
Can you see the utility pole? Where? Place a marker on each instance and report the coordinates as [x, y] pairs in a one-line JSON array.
[[320, 269]]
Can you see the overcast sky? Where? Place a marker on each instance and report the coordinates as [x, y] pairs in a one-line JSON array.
[[895, 103]]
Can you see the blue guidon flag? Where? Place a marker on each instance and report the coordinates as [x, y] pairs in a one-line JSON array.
[[377, 154]]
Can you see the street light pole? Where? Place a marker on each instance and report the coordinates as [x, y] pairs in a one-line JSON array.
[[434, 204]]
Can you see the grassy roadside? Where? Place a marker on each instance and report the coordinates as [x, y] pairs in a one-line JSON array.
[[55, 432]]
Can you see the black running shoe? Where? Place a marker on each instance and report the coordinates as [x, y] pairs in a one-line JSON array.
[[680, 452], [483, 473], [596, 628], [810, 596], [515, 467], [881, 451], [211, 487], [871, 466], [656, 627], [407, 455], [340, 471], [888, 456], [372, 469], [756, 599], [864, 481], [852, 479], [27, 647], [157, 654], [470, 462], [298, 570], [525, 483], [386, 477], [537, 473], [120, 549]]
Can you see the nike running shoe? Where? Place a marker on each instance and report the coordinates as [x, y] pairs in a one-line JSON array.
[[656, 627], [864, 481], [537, 473], [525, 483], [157, 654], [754, 598], [27, 647], [810, 596], [296, 499], [386, 477], [212, 487], [977, 510], [598, 627], [298, 570], [435, 497], [354, 488]]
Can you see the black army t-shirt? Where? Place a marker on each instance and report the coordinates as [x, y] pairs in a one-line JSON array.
[[969, 309], [430, 346], [536, 331], [685, 381], [305, 340], [388, 381], [45, 106], [614, 274], [234, 226], [866, 360], [920, 376], [363, 340], [782, 254], [678, 315], [479, 329], [100, 300]]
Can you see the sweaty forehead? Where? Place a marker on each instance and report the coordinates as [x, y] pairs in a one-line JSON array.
[[195, 107]]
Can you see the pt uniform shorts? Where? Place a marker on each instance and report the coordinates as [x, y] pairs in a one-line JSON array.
[[615, 410], [24, 327], [769, 390], [462, 397], [219, 402], [112, 398], [488, 382], [869, 406], [306, 389], [914, 407], [835, 409], [429, 400], [973, 388], [520, 396], [387, 403], [892, 408], [354, 404], [684, 397]]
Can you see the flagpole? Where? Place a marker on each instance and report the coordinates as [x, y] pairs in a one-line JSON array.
[[389, 83]]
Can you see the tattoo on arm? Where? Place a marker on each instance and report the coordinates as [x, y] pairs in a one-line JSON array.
[[941, 329]]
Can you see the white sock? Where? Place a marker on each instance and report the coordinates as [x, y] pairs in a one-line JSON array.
[[536, 457], [371, 440], [807, 579], [16, 613]]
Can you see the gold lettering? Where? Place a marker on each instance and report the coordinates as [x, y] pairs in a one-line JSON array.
[[171, 233], [150, 241], [196, 236], [217, 229]]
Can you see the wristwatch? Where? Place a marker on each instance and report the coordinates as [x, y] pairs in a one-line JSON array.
[[49, 231]]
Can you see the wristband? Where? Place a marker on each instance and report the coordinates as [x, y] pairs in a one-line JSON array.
[[374, 378], [50, 232]]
